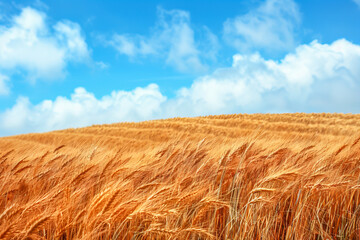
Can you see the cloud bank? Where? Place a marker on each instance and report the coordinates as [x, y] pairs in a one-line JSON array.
[[30, 46], [314, 77], [82, 109]]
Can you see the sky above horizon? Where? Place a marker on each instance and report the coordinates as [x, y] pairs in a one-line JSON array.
[[76, 63]]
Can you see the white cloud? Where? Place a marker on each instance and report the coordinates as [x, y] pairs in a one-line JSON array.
[[314, 78], [172, 39], [357, 2], [28, 44], [271, 27], [82, 109]]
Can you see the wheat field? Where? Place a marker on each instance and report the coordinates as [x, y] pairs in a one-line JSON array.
[[260, 176]]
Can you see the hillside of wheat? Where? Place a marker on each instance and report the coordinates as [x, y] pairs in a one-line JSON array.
[[261, 176]]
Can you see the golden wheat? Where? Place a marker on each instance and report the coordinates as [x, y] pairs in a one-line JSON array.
[[250, 176]]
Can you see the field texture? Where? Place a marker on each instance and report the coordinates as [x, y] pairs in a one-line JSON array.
[[280, 176]]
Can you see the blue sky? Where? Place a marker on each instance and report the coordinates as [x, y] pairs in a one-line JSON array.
[[77, 63]]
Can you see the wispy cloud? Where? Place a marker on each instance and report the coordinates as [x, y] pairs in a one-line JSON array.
[[357, 2], [172, 39], [101, 65], [271, 27], [4, 88]]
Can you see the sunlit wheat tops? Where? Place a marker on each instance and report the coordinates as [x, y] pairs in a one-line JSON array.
[[281, 176]]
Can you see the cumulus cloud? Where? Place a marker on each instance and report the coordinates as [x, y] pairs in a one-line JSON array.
[[82, 109], [270, 27], [314, 78], [172, 39], [29, 44]]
